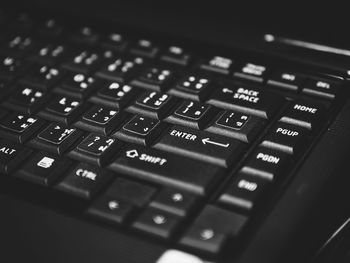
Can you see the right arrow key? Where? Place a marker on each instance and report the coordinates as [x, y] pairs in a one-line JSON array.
[[201, 145]]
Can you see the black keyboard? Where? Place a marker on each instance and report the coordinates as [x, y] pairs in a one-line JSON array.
[[160, 140]]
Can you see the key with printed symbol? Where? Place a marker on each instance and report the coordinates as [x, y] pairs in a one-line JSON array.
[[18, 44], [77, 85], [11, 155], [56, 138], [163, 168], [252, 72], [145, 48], [95, 149], [84, 181], [62, 109], [192, 114], [11, 67], [42, 76], [245, 192], [49, 54], [19, 127], [201, 145], [154, 78], [43, 168], [83, 61], [217, 64], [140, 130], [101, 119], [322, 88], [195, 87], [114, 41], [237, 125], [84, 36], [113, 94], [176, 55], [286, 80], [153, 104]]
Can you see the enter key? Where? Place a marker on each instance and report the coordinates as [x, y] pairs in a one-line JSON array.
[[201, 145]]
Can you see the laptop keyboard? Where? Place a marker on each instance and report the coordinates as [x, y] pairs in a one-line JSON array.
[[180, 147]]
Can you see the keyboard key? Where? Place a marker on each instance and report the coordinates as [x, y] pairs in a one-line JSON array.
[[304, 114], [50, 28], [157, 223], [11, 67], [18, 45], [201, 145], [11, 155], [77, 85], [163, 168], [83, 61], [321, 88], [174, 202], [193, 114], [42, 77], [212, 228], [114, 41], [134, 193], [56, 138], [62, 109], [84, 181], [244, 192], [100, 119], [19, 127], [110, 209], [286, 80], [250, 101], [237, 125], [84, 36], [252, 72], [113, 94], [144, 48], [154, 78], [140, 130], [195, 87], [50, 54], [153, 104], [43, 168], [286, 138], [95, 149], [121, 69], [217, 64], [176, 55], [267, 164]]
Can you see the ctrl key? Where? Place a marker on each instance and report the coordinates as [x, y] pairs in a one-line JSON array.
[[212, 229]]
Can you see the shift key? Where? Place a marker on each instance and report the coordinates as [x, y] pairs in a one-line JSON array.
[[167, 169], [201, 145]]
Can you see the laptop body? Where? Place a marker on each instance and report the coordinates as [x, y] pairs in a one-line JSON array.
[[288, 229]]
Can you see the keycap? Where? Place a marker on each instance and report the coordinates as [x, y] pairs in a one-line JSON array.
[[194, 86], [50, 28], [114, 41], [49, 54], [193, 114], [304, 114], [157, 223], [154, 78], [101, 119], [26, 100], [175, 202], [19, 127], [201, 145], [237, 125], [145, 48], [247, 100], [84, 35], [56, 138], [140, 130], [163, 168], [251, 72], [43, 168], [112, 94], [268, 164], [77, 85], [245, 192], [217, 64], [286, 138], [286, 80], [212, 229], [321, 88], [11, 67], [42, 76], [176, 55], [62, 109], [18, 44], [110, 209], [83, 61], [11, 155], [136, 194], [84, 181], [153, 104], [95, 149], [121, 69]]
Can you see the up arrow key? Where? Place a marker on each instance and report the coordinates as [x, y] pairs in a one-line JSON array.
[[207, 140]]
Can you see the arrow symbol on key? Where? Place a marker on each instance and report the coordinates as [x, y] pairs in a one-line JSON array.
[[207, 140], [226, 90]]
